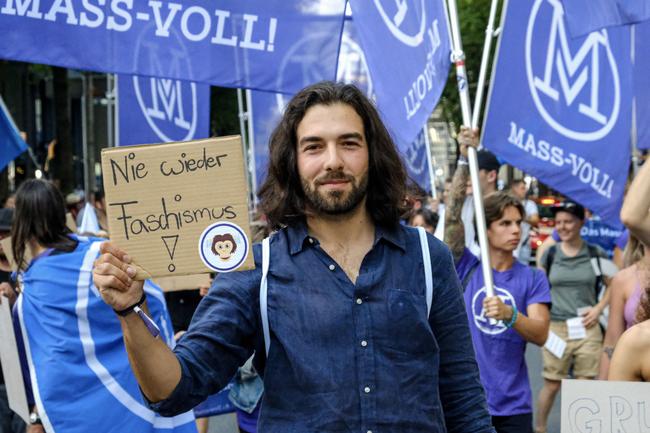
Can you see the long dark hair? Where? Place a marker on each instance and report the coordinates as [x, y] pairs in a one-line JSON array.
[[281, 196], [39, 217]]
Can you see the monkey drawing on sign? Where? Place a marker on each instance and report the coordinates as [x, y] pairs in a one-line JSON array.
[[224, 246]]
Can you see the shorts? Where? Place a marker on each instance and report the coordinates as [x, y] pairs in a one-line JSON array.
[[583, 354]]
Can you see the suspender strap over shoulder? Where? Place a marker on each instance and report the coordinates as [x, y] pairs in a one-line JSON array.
[[426, 259], [264, 311], [266, 257]]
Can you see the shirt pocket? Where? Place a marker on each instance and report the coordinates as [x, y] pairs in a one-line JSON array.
[[407, 327]]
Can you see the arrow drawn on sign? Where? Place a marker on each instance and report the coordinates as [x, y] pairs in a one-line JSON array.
[[170, 243]]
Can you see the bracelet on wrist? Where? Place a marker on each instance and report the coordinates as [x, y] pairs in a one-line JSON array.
[[513, 319], [462, 161], [130, 309]]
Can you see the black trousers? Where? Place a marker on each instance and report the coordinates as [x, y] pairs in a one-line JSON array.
[[513, 423]]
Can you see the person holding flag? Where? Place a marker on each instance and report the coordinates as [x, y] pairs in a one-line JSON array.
[[78, 368], [502, 325]]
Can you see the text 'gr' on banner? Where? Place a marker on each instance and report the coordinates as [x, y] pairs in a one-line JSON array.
[[560, 108], [179, 208], [407, 48], [272, 45], [161, 110]]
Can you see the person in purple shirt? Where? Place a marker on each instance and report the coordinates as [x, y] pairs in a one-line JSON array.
[[520, 308], [352, 346]]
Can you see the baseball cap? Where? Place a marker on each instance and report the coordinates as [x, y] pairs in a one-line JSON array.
[[487, 161], [6, 218], [570, 207]]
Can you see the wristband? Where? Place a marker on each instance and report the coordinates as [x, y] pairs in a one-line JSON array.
[[130, 309], [462, 161], [512, 321]]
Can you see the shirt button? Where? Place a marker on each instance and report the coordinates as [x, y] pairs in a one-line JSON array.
[[332, 267], [311, 241], [366, 390], [364, 343], [359, 301]]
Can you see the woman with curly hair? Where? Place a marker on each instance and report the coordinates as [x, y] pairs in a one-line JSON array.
[[631, 360]]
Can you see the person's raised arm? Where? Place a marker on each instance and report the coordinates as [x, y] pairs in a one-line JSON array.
[[634, 212], [156, 368], [454, 228]]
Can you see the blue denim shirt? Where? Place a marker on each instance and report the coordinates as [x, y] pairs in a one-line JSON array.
[[344, 357]]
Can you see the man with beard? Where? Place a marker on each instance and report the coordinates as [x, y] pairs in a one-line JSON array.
[[338, 317]]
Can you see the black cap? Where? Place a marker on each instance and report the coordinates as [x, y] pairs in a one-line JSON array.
[[6, 217], [570, 207], [487, 161]]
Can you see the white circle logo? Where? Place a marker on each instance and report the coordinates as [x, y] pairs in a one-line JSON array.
[[481, 321], [560, 77], [399, 19], [223, 246]]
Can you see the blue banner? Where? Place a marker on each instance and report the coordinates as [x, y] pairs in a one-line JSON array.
[[267, 109], [586, 16], [642, 84], [160, 110], [407, 48], [263, 44], [80, 371], [11, 144], [560, 108]]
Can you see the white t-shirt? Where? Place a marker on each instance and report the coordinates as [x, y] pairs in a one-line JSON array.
[[523, 252]]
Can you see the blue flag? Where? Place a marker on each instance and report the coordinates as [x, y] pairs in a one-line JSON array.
[[560, 108], [83, 381], [267, 108], [271, 45], [586, 16], [160, 110], [642, 84], [407, 48], [11, 144]]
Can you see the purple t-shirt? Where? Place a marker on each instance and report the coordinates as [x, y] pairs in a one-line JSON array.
[[500, 352]]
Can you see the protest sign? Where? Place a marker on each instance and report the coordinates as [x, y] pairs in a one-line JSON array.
[[560, 108], [605, 407], [185, 282], [179, 208], [11, 370]]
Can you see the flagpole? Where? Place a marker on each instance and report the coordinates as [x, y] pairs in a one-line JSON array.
[[427, 141], [251, 145], [242, 128], [487, 46], [458, 58]]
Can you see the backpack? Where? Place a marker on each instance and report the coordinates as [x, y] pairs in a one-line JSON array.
[[266, 256], [595, 263]]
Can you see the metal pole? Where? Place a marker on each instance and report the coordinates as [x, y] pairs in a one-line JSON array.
[[109, 110], [432, 177], [251, 146], [242, 128], [84, 133], [487, 46], [634, 132], [117, 110], [458, 58]]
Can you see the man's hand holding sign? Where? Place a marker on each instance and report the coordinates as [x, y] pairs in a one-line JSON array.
[[173, 209]]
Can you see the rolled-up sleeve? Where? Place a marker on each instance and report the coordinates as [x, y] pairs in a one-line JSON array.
[[461, 392], [221, 337]]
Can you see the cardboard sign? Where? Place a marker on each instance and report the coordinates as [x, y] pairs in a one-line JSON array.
[[179, 208], [11, 370], [605, 407], [186, 282]]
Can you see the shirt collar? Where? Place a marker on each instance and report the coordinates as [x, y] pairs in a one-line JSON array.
[[297, 235]]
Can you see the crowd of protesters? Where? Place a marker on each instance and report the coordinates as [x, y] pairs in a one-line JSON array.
[[370, 325]]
